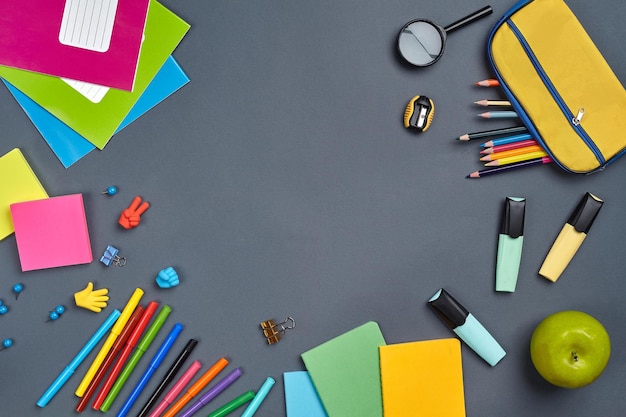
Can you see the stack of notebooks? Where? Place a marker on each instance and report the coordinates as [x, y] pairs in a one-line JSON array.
[[82, 70], [359, 374]]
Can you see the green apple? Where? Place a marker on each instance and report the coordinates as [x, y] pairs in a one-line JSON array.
[[570, 349]]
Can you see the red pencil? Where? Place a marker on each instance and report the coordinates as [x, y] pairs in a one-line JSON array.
[[128, 348], [490, 82], [109, 359], [509, 146]]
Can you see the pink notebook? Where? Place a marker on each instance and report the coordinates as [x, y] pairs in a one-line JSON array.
[[51, 232], [94, 41]]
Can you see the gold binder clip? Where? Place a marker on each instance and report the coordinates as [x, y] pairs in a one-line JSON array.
[[273, 331]]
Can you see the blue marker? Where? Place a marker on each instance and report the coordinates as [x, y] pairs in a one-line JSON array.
[[154, 364], [259, 397], [71, 368], [466, 326]]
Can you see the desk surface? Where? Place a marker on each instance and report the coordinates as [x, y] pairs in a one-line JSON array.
[[282, 183]]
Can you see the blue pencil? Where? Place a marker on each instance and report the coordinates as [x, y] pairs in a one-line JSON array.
[[506, 140], [154, 364], [505, 114], [71, 368]]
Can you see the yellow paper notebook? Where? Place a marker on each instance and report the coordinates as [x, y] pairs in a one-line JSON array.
[[422, 378], [19, 183]]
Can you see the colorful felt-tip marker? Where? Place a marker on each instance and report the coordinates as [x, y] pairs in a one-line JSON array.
[[78, 359], [211, 394], [510, 243], [197, 387], [110, 340], [143, 345], [169, 376], [177, 389], [259, 397], [466, 326], [571, 237], [233, 405], [156, 361], [108, 361], [125, 354]]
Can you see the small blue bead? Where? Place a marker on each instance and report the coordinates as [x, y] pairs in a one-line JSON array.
[[112, 190], [53, 315], [18, 288], [59, 310], [3, 310], [7, 343]]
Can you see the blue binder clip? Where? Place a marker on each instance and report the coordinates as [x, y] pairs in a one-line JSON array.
[[110, 257]]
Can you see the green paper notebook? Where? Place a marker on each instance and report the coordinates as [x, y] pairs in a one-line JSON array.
[[346, 372], [97, 122]]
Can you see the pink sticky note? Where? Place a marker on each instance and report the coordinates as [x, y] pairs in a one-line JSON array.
[[51, 232]]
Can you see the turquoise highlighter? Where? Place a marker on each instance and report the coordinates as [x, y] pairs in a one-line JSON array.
[[466, 326]]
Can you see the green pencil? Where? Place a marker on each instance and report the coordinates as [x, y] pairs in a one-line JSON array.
[[143, 345], [233, 405]]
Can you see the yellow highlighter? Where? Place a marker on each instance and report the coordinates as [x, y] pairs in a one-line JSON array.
[[108, 343], [571, 237]]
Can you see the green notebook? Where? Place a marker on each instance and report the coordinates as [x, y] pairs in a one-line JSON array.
[[346, 372], [97, 122]]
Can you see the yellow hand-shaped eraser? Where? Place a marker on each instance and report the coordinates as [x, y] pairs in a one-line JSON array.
[[92, 300]]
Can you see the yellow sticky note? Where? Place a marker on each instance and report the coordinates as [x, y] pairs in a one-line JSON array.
[[423, 378], [19, 183]]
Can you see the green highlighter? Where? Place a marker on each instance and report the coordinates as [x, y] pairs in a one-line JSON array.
[[143, 345], [510, 244]]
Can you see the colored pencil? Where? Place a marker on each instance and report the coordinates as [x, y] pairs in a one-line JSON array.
[[494, 132], [509, 146], [486, 103], [505, 168], [517, 158], [505, 114], [506, 140], [512, 152], [490, 82]]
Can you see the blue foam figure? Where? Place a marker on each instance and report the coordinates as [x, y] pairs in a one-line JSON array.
[[167, 278]]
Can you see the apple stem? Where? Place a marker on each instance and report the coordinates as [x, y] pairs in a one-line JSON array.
[[575, 356]]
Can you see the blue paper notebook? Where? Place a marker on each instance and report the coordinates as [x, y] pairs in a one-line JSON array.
[[301, 399], [68, 145]]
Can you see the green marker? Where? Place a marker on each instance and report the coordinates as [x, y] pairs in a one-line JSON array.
[[510, 244], [233, 405], [143, 345]]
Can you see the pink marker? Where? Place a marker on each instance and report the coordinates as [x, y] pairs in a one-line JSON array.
[[176, 389]]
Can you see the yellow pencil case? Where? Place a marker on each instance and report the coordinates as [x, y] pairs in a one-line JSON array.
[[560, 84]]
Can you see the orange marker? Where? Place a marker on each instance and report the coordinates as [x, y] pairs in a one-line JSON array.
[[490, 82], [196, 387]]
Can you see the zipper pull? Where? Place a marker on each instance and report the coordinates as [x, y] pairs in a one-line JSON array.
[[576, 120]]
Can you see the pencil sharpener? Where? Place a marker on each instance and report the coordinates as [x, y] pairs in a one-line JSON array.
[[419, 113]]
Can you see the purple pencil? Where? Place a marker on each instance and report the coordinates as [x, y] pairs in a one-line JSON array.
[[212, 393]]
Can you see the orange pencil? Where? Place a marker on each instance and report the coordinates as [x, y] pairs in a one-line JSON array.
[[509, 146], [518, 158], [490, 82], [511, 152], [196, 387]]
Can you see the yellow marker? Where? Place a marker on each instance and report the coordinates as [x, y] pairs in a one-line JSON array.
[[571, 237], [108, 343]]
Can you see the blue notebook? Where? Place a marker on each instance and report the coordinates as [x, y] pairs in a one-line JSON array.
[[68, 145], [301, 399]]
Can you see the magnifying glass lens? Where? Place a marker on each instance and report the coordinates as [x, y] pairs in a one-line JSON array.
[[420, 42]]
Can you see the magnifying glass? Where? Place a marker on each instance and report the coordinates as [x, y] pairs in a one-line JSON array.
[[421, 42]]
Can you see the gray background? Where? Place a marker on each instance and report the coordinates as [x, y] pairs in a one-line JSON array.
[[282, 182]]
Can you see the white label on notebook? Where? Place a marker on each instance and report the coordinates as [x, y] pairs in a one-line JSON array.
[[88, 24], [93, 92]]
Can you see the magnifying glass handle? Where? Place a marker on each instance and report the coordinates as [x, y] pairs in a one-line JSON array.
[[487, 10]]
